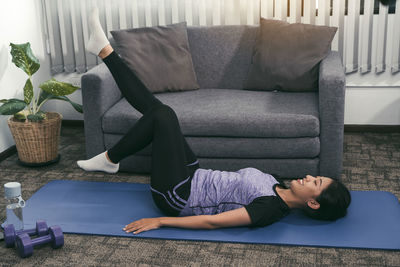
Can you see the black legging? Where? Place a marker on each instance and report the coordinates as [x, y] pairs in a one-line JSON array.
[[172, 161]]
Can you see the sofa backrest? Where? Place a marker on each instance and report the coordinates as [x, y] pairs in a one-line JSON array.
[[222, 54]]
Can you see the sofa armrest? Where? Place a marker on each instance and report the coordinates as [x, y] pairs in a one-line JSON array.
[[332, 85], [99, 94]]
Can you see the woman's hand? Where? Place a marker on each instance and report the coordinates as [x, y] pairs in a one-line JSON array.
[[143, 225]]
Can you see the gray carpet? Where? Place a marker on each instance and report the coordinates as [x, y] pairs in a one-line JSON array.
[[371, 162]]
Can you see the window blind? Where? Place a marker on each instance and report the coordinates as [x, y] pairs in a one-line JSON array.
[[368, 37]]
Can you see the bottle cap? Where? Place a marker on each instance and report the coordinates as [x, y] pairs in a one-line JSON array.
[[12, 189]]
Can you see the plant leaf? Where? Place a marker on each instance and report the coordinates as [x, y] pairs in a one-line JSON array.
[[76, 106], [28, 91], [46, 96], [12, 106], [43, 96], [23, 58], [39, 116], [57, 88], [21, 115], [10, 100]]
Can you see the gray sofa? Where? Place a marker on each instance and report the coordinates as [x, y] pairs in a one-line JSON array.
[[289, 134]]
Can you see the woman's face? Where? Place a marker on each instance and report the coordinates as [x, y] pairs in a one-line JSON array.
[[309, 188]]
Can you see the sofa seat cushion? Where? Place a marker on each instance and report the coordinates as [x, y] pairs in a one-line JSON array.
[[230, 113]]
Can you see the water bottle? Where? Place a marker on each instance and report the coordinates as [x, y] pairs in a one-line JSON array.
[[14, 203]]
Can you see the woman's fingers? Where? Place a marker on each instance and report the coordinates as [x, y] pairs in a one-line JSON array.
[[134, 224], [132, 227], [140, 230]]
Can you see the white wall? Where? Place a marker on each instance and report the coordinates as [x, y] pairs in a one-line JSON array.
[[372, 106], [19, 23], [372, 99]]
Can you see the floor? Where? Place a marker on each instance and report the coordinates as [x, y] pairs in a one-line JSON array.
[[371, 162]]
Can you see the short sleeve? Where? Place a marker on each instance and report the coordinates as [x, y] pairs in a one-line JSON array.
[[264, 211]]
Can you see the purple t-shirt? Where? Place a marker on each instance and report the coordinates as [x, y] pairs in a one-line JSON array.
[[214, 191]]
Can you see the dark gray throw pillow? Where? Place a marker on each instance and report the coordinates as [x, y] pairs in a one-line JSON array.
[[286, 56], [159, 56]]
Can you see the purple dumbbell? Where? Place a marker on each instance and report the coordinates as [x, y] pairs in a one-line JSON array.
[[10, 234], [25, 244]]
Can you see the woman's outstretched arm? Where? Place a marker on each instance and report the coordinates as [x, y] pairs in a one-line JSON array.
[[232, 218]]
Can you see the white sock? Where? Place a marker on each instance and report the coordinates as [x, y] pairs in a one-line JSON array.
[[97, 39], [99, 163]]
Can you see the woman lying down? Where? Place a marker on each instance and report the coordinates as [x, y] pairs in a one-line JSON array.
[[193, 197]]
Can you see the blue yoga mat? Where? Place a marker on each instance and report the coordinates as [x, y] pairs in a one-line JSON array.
[[99, 208]]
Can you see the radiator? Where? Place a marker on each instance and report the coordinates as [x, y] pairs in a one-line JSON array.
[[367, 42]]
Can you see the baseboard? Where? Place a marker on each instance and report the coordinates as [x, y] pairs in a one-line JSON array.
[[372, 128], [8, 152]]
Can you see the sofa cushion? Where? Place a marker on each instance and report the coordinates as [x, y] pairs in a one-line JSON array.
[[286, 56], [222, 54], [238, 147], [159, 56], [230, 113]]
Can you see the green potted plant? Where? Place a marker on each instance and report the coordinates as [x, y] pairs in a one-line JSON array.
[[36, 133]]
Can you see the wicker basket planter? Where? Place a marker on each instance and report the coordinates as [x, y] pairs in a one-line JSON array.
[[37, 142]]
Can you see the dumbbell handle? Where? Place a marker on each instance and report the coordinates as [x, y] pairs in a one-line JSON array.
[[41, 240], [26, 231]]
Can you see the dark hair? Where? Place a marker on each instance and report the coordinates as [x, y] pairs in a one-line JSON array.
[[333, 202]]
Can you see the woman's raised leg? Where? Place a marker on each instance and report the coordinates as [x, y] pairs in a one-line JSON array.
[[136, 93], [132, 88]]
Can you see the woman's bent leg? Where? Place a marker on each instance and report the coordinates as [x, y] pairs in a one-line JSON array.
[[138, 137], [142, 134], [172, 163]]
